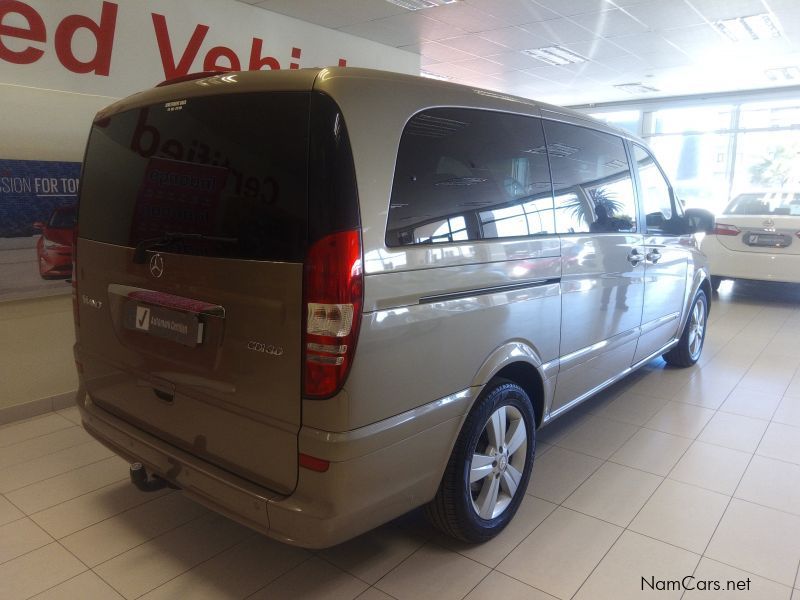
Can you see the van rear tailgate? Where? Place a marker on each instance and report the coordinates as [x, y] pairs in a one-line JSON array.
[[192, 233], [232, 398]]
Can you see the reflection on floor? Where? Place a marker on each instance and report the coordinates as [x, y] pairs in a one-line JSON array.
[[669, 474]]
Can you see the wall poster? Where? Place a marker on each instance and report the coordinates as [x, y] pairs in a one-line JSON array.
[[37, 220]]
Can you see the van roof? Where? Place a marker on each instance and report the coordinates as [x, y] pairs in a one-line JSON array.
[[337, 77]]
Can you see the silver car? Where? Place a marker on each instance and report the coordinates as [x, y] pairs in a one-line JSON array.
[[315, 300]]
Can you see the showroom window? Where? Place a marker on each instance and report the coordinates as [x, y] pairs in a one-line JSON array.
[[693, 145], [465, 174], [768, 150], [629, 120], [714, 153]]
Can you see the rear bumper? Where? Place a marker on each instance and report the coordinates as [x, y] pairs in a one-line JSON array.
[[763, 266], [376, 472]]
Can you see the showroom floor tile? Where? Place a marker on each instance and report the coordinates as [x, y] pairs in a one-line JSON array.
[[670, 473]]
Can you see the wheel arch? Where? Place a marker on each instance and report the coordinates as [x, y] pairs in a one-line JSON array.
[[529, 379], [517, 361], [705, 285], [700, 281]]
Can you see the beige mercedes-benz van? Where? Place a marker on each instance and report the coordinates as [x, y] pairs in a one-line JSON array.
[[314, 300]]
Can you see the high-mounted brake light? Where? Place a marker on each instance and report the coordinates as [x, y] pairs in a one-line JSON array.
[[333, 289], [723, 229], [190, 77]]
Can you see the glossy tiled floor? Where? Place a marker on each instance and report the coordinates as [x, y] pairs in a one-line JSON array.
[[670, 473]]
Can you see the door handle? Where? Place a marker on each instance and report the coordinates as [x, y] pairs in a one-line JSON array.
[[653, 255], [635, 257]]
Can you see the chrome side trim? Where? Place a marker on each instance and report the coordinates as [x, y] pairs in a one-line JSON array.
[[550, 368], [656, 323], [584, 354], [608, 382], [489, 290]]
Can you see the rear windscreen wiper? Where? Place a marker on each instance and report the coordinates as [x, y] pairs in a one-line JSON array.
[[139, 256]]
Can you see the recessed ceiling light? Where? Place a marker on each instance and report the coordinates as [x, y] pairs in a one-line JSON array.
[[430, 75], [555, 55], [783, 74], [754, 27], [636, 88], [420, 4]]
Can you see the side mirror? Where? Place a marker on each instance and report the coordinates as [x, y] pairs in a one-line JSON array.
[[699, 219], [38, 226]]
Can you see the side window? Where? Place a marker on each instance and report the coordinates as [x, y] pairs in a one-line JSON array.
[[591, 179], [656, 199], [467, 174]]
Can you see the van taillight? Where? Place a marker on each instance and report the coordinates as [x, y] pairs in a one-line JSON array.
[[723, 229], [75, 301], [333, 287]]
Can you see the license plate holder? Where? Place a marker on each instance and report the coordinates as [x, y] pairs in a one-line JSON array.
[[176, 326], [767, 240]]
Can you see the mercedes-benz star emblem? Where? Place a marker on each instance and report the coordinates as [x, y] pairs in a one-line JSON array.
[[157, 265]]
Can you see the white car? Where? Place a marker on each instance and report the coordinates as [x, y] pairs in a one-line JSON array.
[[757, 236]]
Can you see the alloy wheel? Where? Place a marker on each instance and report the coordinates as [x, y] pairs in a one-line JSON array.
[[498, 462], [697, 328]]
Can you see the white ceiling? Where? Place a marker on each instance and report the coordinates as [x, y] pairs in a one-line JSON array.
[[670, 45]]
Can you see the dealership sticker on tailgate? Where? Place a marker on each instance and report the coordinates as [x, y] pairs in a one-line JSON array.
[[184, 328]]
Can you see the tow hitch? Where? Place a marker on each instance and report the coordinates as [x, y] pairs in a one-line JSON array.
[[140, 479]]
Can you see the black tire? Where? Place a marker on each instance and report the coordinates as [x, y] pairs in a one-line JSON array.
[[715, 281], [687, 352], [454, 510]]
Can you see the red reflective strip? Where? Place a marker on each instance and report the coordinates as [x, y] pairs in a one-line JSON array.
[[314, 464], [170, 301]]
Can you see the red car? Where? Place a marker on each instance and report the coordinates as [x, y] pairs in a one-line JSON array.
[[54, 248]]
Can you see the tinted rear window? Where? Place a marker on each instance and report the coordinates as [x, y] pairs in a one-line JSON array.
[[231, 166]]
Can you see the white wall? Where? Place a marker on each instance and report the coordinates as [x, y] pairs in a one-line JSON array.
[[46, 109], [38, 124], [71, 57], [36, 359]]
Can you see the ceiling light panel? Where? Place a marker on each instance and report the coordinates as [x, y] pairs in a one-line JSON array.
[[783, 74], [555, 55], [420, 4], [636, 88], [748, 29]]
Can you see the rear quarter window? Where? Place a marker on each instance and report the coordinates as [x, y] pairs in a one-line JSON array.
[[469, 174]]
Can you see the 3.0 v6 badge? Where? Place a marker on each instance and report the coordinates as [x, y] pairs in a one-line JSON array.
[[264, 348]]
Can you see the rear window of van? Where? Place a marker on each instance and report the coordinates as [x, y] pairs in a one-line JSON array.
[[231, 166]]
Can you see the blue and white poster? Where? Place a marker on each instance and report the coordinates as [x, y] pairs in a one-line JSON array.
[[37, 220]]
